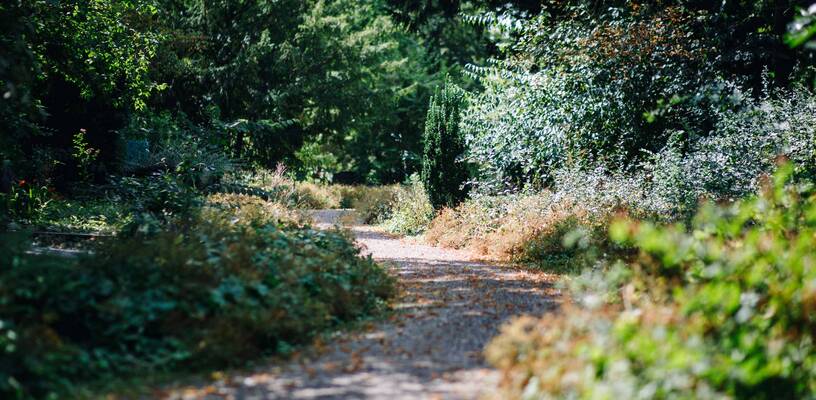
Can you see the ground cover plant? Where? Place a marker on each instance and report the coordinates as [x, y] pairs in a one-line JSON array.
[[104, 216], [236, 281]]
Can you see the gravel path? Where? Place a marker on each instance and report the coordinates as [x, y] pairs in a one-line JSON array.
[[448, 310]]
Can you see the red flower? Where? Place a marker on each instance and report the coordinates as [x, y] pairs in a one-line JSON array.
[[22, 182]]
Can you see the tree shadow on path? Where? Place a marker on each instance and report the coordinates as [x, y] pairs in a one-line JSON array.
[[448, 310]]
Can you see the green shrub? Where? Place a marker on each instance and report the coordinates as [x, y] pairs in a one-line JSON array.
[[574, 90], [745, 144], [400, 209], [165, 143], [724, 309], [217, 290], [162, 195], [412, 212], [84, 155], [443, 174]]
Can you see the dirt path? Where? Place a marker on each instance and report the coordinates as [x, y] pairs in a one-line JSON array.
[[431, 349]]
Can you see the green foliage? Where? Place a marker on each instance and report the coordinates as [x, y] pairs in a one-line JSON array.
[[411, 212], [802, 28], [164, 196], [443, 172], [256, 142], [401, 209], [65, 62], [215, 291], [260, 80], [172, 166], [570, 244], [377, 205], [25, 200], [574, 91], [334, 84], [175, 145], [587, 85], [91, 215], [744, 144], [84, 155], [723, 309]]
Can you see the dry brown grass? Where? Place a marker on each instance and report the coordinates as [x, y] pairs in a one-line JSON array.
[[526, 229], [249, 208], [541, 351], [302, 195], [446, 230], [515, 238], [310, 195], [374, 204]]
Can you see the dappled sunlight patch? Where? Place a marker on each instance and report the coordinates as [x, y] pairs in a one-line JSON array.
[[719, 309]]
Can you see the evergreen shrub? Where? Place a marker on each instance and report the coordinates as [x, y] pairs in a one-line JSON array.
[[443, 172]]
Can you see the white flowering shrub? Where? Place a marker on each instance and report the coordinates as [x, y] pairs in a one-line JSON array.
[[513, 132], [598, 89], [726, 164], [743, 147]]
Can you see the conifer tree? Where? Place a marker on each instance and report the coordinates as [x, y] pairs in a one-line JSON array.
[[442, 172]]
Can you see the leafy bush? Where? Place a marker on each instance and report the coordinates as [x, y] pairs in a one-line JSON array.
[[443, 173], [565, 241], [575, 87], [745, 145], [84, 156], [212, 291], [401, 209], [163, 196], [253, 207], [366, 199], [721, 310], [172, 144], [513, 132], [608, 85], [278, 186], [81, 63], [273, 186], [412, 212], [371, 202], [316, 196]]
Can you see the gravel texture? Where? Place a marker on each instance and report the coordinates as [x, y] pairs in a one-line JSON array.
[[431, 348]]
